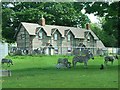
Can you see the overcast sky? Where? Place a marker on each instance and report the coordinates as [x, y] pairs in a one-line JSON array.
[[91, 16]]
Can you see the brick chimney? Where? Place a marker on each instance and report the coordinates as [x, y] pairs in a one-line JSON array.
[[88, 26], [42, 21]]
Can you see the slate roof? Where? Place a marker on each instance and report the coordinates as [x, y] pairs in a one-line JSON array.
[[95, 37], [77, 32], [100, 44], [30, 27]]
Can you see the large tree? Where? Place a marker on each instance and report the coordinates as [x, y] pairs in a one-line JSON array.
[[65, 14]]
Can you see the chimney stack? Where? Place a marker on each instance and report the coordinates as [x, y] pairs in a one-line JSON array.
[[42, 21], [88, 26]]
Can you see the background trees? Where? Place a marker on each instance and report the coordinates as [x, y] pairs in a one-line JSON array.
[[65, 14], [110, 23]]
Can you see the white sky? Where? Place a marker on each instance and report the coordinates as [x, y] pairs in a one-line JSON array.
[[91, 17], [10, 5]]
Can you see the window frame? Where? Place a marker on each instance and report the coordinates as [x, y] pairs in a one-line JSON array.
[[56, 50], [68, 37], [55, 37], [40, 35], [69, 49]]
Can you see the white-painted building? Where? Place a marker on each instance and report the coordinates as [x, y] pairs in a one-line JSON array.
[[3, 50]]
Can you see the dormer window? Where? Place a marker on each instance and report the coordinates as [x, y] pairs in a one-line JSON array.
[[68, 38], [40, 34], [55, 37]]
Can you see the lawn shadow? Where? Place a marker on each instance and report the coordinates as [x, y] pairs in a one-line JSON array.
[[41, 71]]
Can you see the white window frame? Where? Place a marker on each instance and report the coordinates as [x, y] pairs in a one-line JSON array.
[[55, 37], [68, 37], [69, 49], [56, 50]]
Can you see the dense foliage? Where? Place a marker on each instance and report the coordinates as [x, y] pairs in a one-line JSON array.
[[109, 11]]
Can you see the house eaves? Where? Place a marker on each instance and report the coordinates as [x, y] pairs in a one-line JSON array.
[[30, 27]]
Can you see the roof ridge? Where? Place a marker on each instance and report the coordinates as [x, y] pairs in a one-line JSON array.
[[55, 25]]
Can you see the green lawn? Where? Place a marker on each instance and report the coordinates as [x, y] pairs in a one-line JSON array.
[[40, 72]]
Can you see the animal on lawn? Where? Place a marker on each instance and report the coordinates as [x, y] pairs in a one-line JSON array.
[[60, 65], [109, 59], [63, 63], [7, 61], [82, 59], [101, 67]]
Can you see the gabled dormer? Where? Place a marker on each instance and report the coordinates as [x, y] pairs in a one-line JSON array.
[[56, 34], [69, 35], [40, 33]]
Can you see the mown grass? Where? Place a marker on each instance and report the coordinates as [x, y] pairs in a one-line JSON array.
[[40, 72]]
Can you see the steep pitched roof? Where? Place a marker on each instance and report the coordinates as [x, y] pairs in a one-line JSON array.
[[100, 44], [92, 33], [77, 32], [30, 27]]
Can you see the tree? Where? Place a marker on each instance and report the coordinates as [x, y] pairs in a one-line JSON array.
[[103, 36], [110, 25], [7, 25], [64, 14]]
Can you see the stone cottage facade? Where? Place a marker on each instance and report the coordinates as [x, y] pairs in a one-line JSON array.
[[53, 39]]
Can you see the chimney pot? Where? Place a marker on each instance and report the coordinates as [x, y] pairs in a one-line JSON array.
[[42, 21], [88, 26]]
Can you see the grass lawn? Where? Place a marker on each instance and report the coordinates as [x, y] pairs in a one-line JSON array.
[[40, 72]]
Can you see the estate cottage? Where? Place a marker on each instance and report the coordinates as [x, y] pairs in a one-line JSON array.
[[53, 39]]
